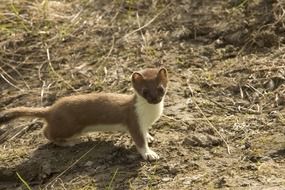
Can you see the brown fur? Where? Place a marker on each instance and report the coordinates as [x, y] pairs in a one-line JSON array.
[[70, 115]]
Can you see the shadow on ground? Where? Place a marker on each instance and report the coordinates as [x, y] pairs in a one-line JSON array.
[[50, 164]]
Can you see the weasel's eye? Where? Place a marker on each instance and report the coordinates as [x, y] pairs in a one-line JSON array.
[[145, 92], [160, 90]]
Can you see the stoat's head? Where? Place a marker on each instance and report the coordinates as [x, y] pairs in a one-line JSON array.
[[151, 84]]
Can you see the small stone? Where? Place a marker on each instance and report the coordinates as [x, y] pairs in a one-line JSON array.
[[202, 140], [133, 156], [221, 182], [173, 170], [102, 167], [88, 164], [187, 182], [46, 169], [265, 158], [166, 179]]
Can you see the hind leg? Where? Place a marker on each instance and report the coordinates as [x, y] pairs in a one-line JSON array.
[[47, 133], [71, 141]]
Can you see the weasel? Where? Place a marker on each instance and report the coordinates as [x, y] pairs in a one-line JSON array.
[[72, 116]]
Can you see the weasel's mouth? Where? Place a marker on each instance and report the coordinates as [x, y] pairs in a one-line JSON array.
[[154, 101]]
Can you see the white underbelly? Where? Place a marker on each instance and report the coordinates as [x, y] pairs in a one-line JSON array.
[[105, 128]]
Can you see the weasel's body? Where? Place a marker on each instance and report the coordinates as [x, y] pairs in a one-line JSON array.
[[71, 116]]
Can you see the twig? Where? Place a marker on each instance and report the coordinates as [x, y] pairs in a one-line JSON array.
[[10, 82], [190, 88], [241, 92], [139, 25], [58, 75], [12, 67], [221, 106], [213, 127], [248, 110], [22, 79], [73, 164], [148, 23], [107, 56], [118, 12], [43, 92], [210, 124], [39, 71], [111, 49], [250, 86], [174, 119], [268, 68], [22, 129], [3, 137]]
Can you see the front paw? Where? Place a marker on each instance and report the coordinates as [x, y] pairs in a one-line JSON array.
[[150, 155]]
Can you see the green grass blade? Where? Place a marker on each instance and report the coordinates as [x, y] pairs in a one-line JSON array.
[[23, 181], [17, 14], [111, 182]]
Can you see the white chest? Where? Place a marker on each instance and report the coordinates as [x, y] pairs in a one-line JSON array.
[[148, 113]]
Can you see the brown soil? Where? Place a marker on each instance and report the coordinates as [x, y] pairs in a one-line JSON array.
[[223, 125]]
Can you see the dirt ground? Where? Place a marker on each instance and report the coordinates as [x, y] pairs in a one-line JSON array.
[[223, 122]]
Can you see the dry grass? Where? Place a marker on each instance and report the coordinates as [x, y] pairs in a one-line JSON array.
[[227, 78]]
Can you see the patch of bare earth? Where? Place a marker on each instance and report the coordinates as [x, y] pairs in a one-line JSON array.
[[223, 125]]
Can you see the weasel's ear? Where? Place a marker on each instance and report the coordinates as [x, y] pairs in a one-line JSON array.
[[162, 74], [137, 77]]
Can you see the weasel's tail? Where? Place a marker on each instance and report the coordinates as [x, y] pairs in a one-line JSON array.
[[14, 113]]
